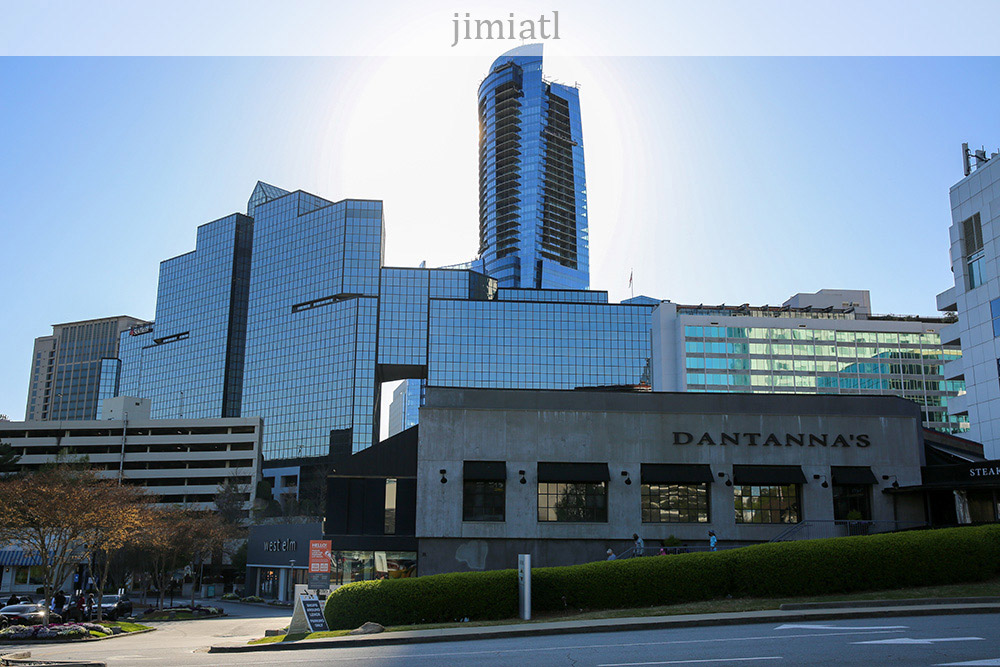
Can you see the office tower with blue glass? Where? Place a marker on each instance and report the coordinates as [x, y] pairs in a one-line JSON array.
[[306, 338], [66, 368], [189, 361], [533, 229]]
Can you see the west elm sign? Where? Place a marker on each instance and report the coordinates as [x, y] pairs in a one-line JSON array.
[[280, 545], [771, 440]]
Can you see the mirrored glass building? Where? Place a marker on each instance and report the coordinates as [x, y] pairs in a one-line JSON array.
[[288, 313], [533, 229]]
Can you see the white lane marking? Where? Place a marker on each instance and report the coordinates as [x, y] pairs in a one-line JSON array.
[[907, 640], [354, 651], [689, 662], [842, 627], [989, 662]]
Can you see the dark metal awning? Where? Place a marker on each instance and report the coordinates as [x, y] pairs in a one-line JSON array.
[[853, 475], [764, 475], [484, 471], [573, 472], [676, 473]]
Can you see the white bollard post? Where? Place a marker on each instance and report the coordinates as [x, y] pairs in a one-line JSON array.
[[524, 585]]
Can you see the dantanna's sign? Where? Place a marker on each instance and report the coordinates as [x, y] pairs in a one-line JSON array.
[[772, 440]]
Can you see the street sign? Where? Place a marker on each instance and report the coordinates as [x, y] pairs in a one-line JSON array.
[[320, 559], [524, 585]]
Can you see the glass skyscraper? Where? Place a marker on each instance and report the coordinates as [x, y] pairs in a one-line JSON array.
[[189, 362], [309, 335], [533, 229]]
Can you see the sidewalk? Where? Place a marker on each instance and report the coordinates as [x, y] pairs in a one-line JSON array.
[[867, 609]]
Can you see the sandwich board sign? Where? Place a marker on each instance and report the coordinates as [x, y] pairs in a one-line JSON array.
[[307, 616]]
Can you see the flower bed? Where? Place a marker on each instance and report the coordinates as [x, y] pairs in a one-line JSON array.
[[55, 631]]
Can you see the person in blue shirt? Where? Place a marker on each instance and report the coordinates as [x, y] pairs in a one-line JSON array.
[[611, 555], [712, 540]]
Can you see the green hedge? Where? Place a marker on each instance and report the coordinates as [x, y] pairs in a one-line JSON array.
[[808, 567]]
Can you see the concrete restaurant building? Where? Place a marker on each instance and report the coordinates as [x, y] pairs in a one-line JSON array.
[[566, 475]]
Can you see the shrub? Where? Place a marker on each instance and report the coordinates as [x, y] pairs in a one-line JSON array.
[[437, 598], [808, 567], [252, 598], [230, 596]]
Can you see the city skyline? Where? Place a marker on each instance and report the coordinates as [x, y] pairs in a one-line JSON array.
[[126, 170]]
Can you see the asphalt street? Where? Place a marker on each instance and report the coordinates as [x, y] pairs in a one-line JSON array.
[[925, 640]]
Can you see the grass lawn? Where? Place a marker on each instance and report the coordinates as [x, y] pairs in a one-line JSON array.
[[127, 627], [981, 589]]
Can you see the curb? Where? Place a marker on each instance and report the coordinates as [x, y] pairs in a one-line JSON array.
[[861, 604], [605, 625]]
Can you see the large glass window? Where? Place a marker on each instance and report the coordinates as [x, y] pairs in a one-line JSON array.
[[767, 504], [675, 503], [852, 502], [483, 501], [972, 232], [573, 501]]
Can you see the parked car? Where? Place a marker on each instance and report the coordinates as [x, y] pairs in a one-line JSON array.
[[28, 614], [19, 599], [114, 607]]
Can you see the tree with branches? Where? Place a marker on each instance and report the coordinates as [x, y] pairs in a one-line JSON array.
[[119, 527], [55, 515]]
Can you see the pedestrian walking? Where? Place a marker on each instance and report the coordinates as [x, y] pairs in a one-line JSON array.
[[640, 546], [611, 555], [58, 602], [712, 540]]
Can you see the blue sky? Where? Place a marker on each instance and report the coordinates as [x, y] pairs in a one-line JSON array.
[[714, 179]]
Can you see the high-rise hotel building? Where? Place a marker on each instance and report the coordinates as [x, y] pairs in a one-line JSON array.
[[66, 368], [532, 187]]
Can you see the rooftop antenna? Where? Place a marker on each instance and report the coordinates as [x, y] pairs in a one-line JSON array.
[[965, 158]]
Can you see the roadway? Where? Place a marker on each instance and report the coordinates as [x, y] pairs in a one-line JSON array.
[[971, 640]]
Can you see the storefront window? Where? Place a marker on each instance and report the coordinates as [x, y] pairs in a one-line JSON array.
[[268, 583], [852, 502], [351, 566], [401, 564], [573, 501], [675, 503], [483, 501], [26, 576], [983, 506], [767, 504]]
